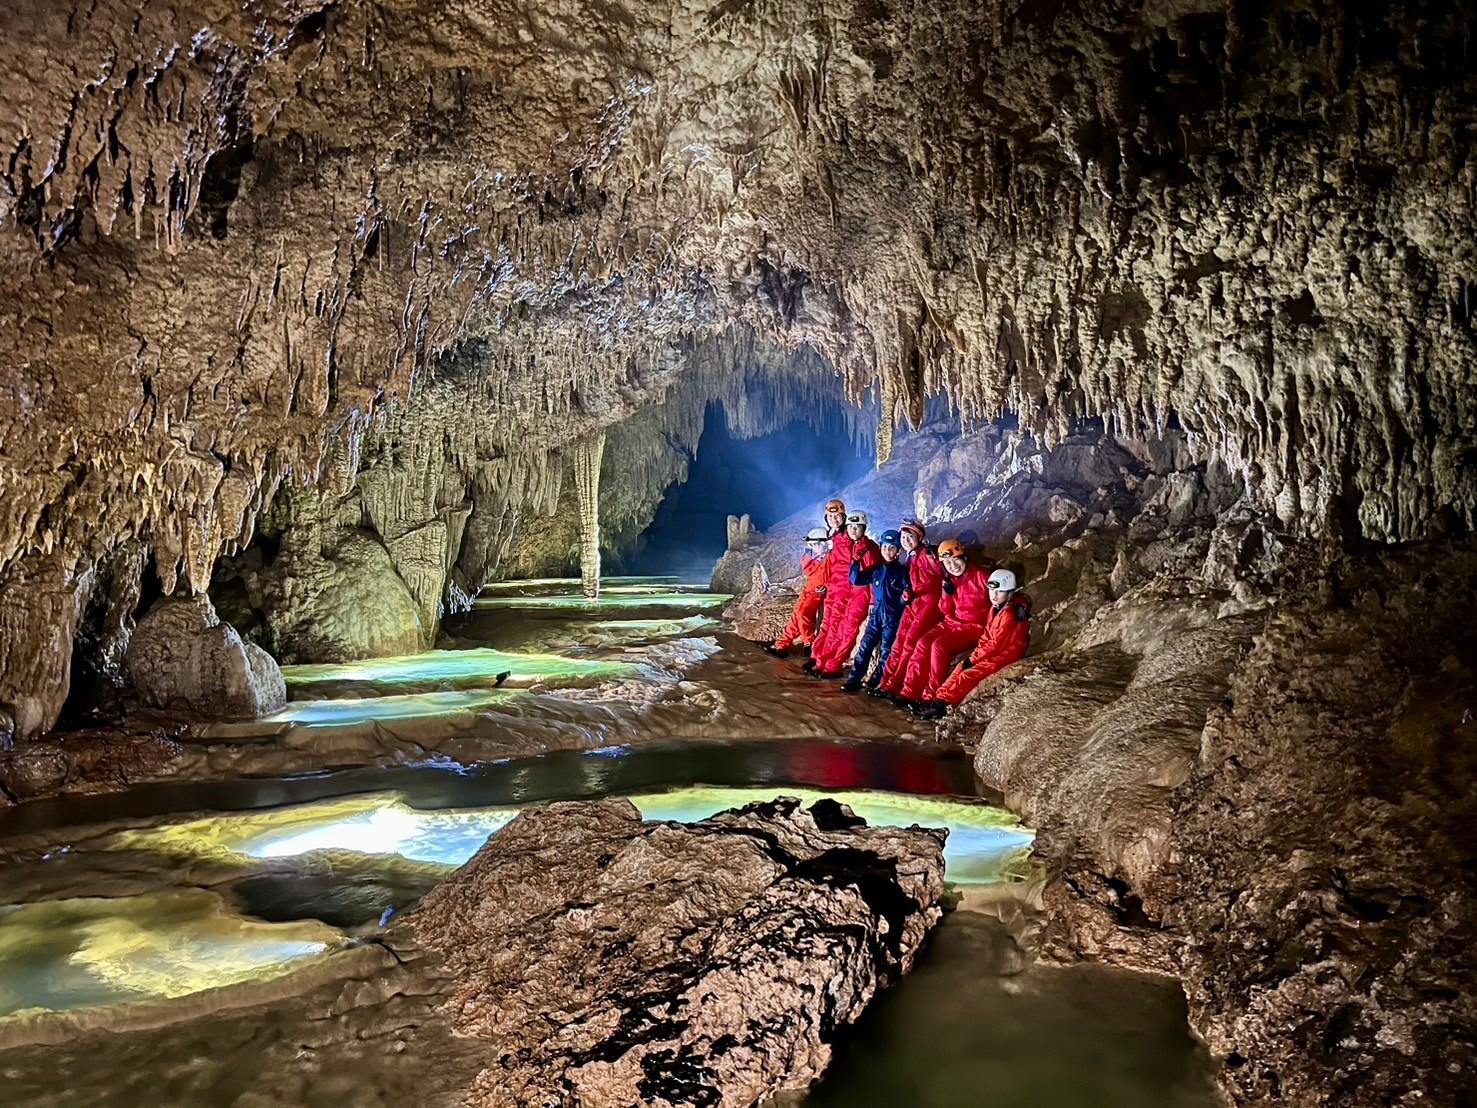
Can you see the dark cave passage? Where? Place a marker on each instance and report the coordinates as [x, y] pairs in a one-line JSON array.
[[768, 478]]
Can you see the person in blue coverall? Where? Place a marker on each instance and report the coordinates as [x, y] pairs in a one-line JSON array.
[[889, 581]]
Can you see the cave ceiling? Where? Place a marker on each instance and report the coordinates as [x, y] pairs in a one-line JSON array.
[[237, 235]]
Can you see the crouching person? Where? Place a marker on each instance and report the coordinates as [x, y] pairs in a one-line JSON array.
[[888, 581], [1007, 633]]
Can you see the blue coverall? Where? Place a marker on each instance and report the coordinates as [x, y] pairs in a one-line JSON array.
[[889, 580]]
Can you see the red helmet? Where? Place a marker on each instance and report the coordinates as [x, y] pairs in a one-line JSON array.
[[914, 528]]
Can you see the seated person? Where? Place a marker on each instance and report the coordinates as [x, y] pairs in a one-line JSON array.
[[1006, 635], [888, 581], [802, 626]]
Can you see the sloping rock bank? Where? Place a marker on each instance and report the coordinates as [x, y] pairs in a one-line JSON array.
[[1250, 758], [614, 962]]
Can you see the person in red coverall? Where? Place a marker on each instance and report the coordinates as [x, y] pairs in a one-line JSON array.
[[1005, 637], [964, 606], [835, 517], [925, 587], [801, 628], [846, 604]]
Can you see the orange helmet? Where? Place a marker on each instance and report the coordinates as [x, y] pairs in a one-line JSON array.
[[951, 548], [835, 505]]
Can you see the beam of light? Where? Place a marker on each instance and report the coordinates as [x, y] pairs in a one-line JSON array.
[[451, 667], [57, 955], [984, 845]]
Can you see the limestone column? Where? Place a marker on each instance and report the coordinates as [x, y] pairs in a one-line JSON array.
[[587, 455]]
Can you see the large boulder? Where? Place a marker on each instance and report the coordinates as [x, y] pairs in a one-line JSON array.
[[183, 656], [614, 962]]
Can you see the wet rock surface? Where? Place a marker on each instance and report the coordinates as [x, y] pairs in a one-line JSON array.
[[182, 656], [606, 961], [1328, 842]]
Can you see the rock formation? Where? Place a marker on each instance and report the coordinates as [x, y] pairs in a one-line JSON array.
[[236, 240], [183, 656], [1247, 753], [610, 961], [307, 301]]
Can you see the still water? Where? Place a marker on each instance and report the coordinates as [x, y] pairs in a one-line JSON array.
[[180, 890]]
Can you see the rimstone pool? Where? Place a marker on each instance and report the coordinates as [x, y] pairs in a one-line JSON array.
[[217, 912]]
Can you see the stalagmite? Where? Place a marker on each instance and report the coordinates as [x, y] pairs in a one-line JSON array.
[[588, 453]]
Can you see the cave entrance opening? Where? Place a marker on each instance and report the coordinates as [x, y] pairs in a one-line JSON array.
[[767, 478]]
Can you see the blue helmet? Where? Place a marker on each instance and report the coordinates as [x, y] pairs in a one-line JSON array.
[[891, 538]]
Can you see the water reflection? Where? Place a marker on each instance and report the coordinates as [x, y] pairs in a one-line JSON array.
[[63, 954], [557, 775], [984, 845], [451, 668]]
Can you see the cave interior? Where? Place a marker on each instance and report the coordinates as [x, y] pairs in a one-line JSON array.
[[387, 384]]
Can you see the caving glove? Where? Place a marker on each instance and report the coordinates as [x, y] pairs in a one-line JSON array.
[[948, 586]]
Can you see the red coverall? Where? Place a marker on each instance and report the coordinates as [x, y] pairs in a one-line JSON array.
[[925, 587], [846, 604], [1007, 631], [801, 627], [964, 614]]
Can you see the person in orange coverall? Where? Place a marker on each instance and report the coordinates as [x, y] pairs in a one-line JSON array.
[[846, 604], [1006, 635], [925, 588], [801, 628], [964, 606]]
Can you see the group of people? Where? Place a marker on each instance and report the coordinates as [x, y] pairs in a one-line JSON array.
[[916, 607]]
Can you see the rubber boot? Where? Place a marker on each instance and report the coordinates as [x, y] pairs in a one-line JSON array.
[[809, 666], [879, 693], [775, 651], [931, 709], [851, 685]]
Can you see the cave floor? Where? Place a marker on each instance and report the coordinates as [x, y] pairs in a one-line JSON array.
[[212, 933], [654, 661]]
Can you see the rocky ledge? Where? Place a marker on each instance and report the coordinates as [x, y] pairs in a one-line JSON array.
[[615, 962]]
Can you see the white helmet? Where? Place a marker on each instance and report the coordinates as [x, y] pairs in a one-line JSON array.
[[817, 534], [857, 517], [1002, 580]]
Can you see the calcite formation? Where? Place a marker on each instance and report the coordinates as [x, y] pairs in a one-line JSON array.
[[608, 961], [182, 656], [1247, 753], [239, 238]]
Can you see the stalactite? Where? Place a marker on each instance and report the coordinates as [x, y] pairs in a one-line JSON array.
[[885, 420]]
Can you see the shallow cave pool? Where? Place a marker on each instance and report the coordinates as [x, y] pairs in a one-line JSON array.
[[985, 844], [447, 669], [620, 586], [609, 598], [89, 952], [218, 883]]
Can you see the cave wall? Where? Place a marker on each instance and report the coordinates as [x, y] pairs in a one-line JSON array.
[[234, 235]]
